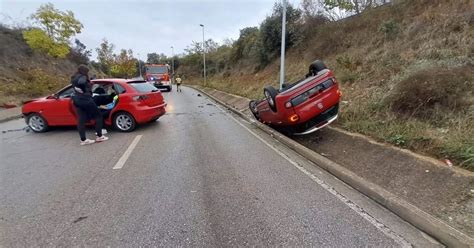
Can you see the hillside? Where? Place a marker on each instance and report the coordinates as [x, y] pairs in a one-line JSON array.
[[406, 71], [24, 73]]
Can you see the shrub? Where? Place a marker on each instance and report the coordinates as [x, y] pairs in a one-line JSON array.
[[390, 29], [434, 92]]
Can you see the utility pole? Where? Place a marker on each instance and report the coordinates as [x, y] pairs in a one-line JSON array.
[[172, 64], [204, 53], [139, 65], [283, 38]]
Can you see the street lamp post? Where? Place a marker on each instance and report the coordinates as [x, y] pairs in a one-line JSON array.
[[283, 34], [204, 53], [172, 64], [139, 65]]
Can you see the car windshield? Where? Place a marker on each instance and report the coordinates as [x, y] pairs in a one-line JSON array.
[[157, 69], [142, 86]]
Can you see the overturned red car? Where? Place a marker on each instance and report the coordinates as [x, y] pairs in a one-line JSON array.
[[302, 107], [134, 102]]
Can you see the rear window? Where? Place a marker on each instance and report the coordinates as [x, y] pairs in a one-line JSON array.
[[142, 86]]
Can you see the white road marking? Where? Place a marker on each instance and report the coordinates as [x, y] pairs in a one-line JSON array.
[[359, 210], [127, 153]]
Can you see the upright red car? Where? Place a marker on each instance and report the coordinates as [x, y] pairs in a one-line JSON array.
[[138, 102], [302, 107]]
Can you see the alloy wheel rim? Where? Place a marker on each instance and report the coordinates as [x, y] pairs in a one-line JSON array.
[[124, 122], [36, 123]]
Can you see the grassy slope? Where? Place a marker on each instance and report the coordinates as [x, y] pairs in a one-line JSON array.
[[24, 73], [432, 52]]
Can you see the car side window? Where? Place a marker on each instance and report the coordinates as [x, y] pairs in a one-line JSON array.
[[66, 93], [119, 88]]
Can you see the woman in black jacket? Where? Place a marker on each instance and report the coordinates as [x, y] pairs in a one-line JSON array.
[[86, 108]]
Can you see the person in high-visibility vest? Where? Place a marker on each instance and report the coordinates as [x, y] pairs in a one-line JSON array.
[[178, 83]]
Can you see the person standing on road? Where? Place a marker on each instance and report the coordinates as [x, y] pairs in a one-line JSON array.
[[178, 83], [86, 108]]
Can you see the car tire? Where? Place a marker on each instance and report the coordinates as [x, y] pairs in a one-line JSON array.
[[37, 123], [316, 67], [253, 109], [270, 94], [124, 122]]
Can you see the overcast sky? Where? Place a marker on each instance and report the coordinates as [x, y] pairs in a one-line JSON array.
[[150, 25]]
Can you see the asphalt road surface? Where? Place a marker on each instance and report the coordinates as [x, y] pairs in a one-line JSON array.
[[198, 177]]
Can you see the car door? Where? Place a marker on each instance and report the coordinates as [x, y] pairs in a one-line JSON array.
[[61, 110]]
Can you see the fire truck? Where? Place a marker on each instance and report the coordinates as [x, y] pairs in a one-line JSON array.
[[159, 75]]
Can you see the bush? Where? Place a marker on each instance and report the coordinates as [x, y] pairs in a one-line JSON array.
[[390, 29], [434, 92]]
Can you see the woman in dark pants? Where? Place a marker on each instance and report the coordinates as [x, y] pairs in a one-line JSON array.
[[86, 108]]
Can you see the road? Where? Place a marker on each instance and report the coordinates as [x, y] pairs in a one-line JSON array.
[[197, 177]]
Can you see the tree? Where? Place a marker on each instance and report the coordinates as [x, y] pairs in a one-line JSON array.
[[124, 65], [55, 29], [38, 40], [105, 55], [317, 12], [59, 25], [356, 6], [79, 53], [248, 45], [155, 58], [270, 31]]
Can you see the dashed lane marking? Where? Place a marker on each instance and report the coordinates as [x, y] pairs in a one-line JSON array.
[[121, 162]]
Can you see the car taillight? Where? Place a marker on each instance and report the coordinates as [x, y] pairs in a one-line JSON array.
[[140, 98], [339, 93], [293, 118]]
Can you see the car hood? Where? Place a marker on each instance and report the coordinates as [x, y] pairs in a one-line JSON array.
[[35, 100]]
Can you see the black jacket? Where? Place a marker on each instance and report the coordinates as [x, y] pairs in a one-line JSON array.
[[81, 84]]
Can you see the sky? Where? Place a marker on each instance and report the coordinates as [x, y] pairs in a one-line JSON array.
[[147, 26]]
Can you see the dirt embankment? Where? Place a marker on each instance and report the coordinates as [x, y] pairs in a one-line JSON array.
[[25, 73], [406, 72]]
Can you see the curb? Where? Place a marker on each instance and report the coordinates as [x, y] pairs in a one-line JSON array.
[[420, 219], [10, 114]]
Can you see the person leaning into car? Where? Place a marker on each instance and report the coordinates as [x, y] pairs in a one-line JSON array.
[[86, 108]]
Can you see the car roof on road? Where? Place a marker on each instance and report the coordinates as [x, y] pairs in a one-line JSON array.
[[117, 80]]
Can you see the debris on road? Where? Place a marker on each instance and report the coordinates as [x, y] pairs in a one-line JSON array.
[[198, 94], [26, 129], [79, 219], [448, 162]]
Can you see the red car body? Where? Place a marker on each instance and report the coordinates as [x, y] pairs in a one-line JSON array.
[[303, 107], [135, 99]]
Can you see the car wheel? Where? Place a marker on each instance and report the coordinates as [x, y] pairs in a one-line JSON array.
[[316, 67], [37, 123], [124, 122], [270, 94], [253, 108]]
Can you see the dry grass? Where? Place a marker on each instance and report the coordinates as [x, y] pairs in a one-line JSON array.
[[383, 59]]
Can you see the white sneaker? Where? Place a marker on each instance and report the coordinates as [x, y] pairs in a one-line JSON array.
[[104, 131], [87, 142], [101, 138]]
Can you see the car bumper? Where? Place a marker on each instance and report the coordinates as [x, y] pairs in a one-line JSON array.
[[318, 122], [147, 114], [162, 86]]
